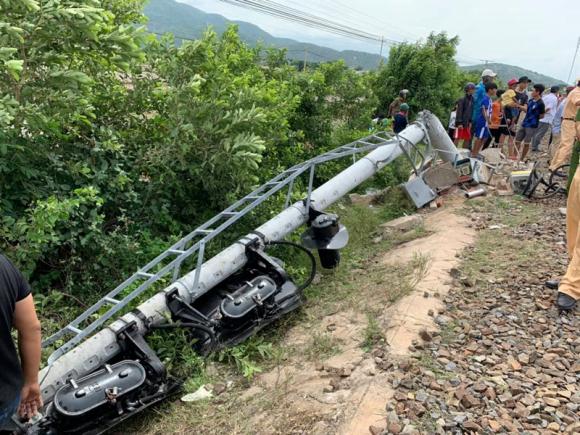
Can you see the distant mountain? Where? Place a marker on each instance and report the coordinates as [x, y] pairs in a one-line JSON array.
[[189, 22], [507, 72]]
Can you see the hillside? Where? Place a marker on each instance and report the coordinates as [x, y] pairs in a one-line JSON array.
[[189, 22], [507, 72]]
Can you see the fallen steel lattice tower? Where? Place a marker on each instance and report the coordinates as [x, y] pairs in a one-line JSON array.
[[97, 379]]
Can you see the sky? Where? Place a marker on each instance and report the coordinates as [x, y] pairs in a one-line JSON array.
[[516, 32]]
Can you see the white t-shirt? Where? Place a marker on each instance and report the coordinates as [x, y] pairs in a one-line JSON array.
[[452, 119], [551, 102]]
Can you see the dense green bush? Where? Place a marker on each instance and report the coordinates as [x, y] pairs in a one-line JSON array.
[[113, 143]]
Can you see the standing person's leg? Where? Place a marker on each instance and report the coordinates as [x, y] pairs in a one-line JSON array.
[[539, 135], [574, 160], [546, 140], [497, 136], [564, 151], [517, 148], [529, 134], [481, 135], [451, 133], [487, 142], [504, 135], [570, 284], [554, 145]]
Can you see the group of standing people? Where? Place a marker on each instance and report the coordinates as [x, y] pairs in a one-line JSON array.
[[517, 117], [521, 117]]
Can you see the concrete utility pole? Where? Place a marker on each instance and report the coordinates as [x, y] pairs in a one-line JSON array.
[[97, 350], [305, 59], [573, 61], [381, 52]]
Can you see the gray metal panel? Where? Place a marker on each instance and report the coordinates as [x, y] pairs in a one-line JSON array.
[[419, 192]]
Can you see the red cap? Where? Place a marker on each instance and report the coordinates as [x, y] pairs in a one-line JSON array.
[[513, 82]]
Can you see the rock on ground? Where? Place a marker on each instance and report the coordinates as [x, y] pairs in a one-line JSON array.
[[506, 361]]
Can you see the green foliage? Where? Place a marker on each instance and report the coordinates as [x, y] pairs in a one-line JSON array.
[[54, 223], [247, 356], [427, 69], [373, 333], [218, 109], [114, 143]]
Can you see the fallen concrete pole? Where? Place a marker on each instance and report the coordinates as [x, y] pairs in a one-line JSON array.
[[101, 347]]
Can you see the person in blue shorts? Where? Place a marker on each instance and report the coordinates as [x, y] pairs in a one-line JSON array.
[[483, 121]]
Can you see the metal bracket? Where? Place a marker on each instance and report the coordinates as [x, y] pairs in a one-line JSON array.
[[181, 310], [266, 264], [131, 341]]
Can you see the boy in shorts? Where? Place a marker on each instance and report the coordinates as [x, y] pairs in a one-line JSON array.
[[534, 112], [497, 127], [483, 120]]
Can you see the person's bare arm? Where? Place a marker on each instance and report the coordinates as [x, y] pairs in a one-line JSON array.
[[28, 327], [486, 115]]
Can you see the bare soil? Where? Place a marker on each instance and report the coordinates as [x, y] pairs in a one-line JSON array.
[[360, 388]]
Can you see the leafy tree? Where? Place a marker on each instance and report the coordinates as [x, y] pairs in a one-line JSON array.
[[427, 69], [114, 142], [216, 114], [59, 164]]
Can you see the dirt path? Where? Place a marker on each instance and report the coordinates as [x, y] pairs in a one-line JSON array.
[[346, 393], [451, 234]]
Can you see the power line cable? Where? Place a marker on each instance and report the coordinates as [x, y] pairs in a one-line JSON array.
[[291, 14], [347, 9], [316, 18], [295, 15], [573, 61]]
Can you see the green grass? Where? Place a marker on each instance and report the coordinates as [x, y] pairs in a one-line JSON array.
[[373, 333], [322, 346], [353, 285]]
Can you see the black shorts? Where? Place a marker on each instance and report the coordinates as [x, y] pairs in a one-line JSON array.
[[504, 130]]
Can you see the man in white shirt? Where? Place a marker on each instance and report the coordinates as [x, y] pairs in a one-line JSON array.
[[551, 104], [557, 125]]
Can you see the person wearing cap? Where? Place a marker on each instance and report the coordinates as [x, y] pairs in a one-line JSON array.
[[395, 106], [519, 111], [483, 121], [400, 119], [569, 130], [544, 128], [487, 76], [463, 115], [522, 97], [534, 112], [508, 98]]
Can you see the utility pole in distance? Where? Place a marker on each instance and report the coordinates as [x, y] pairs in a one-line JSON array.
[[381, 52], [305, 60], [573, 61]]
